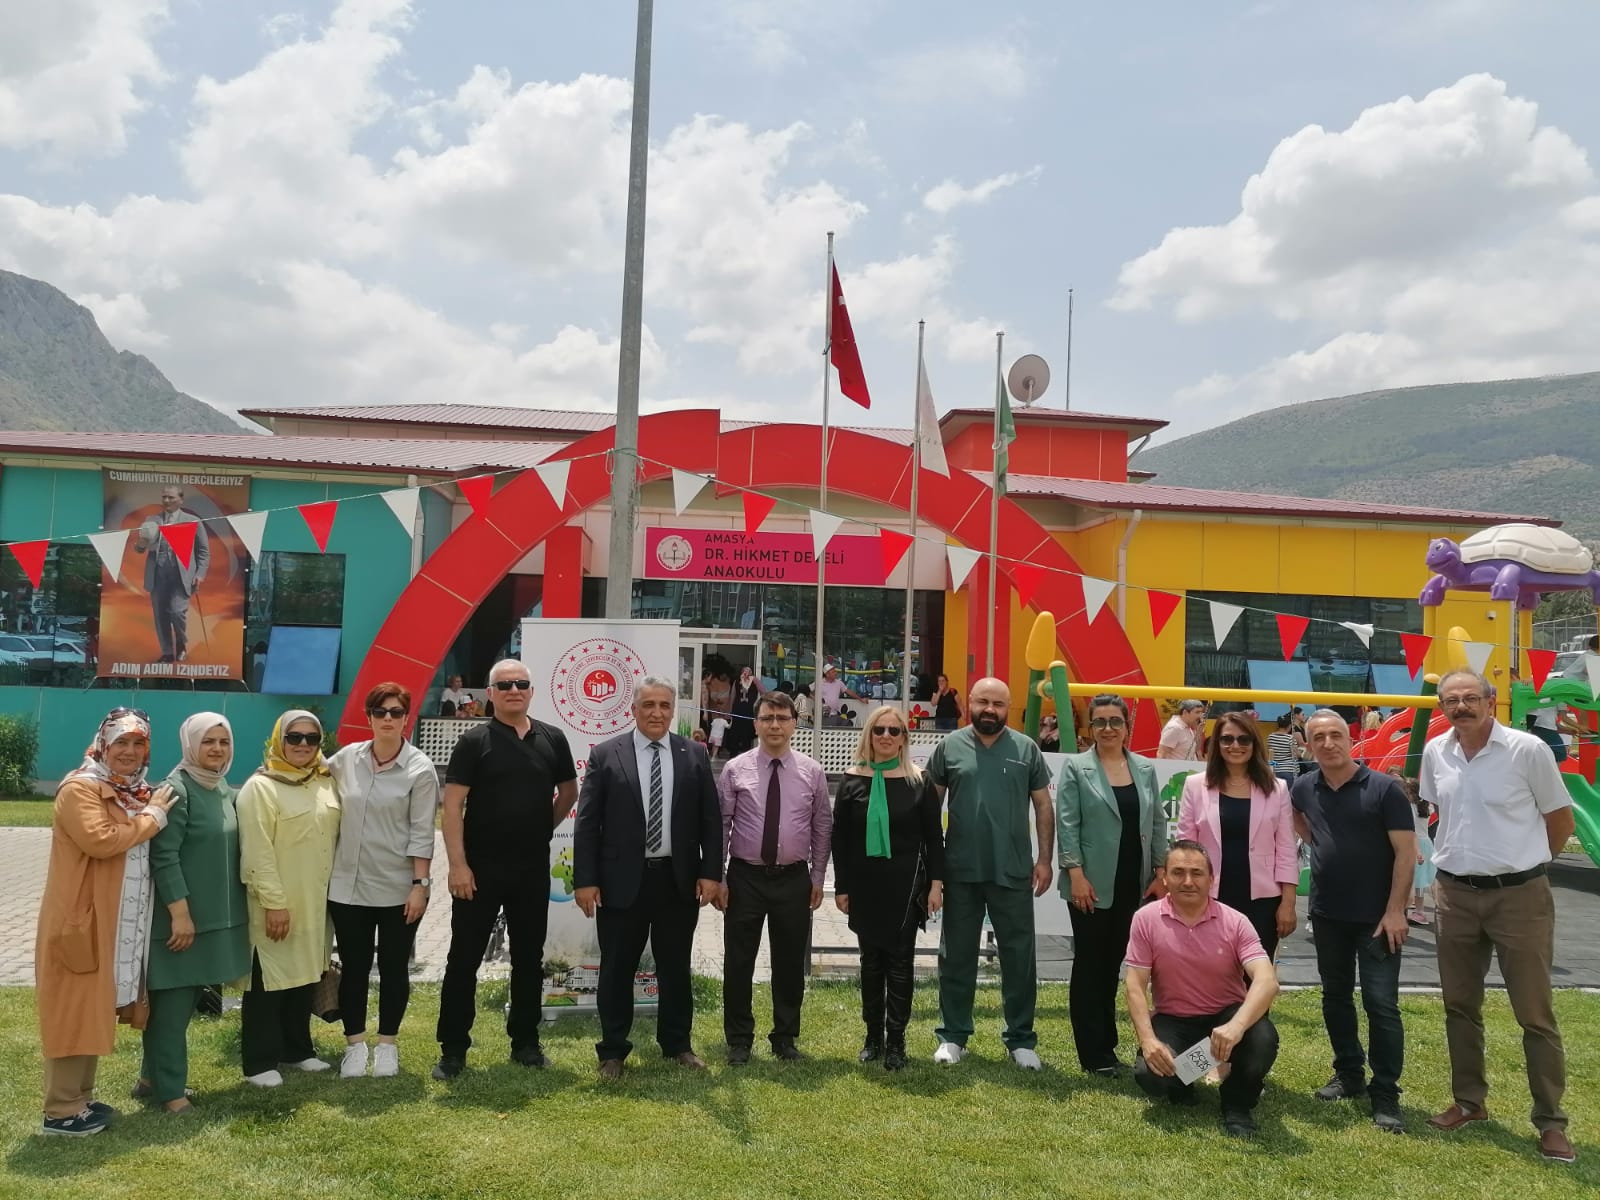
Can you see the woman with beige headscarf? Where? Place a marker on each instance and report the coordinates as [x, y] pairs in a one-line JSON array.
[[94, 920], [288, 828]]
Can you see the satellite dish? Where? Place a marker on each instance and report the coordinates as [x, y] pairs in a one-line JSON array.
[[1028, 378]]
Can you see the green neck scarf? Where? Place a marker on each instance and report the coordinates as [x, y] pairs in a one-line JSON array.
[[878, 809]]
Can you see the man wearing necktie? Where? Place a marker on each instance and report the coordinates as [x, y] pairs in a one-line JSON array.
[[647, 852], [168, 582], [777, 824]]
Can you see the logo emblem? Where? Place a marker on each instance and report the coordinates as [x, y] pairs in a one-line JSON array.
[[593, 685], [674, 552]]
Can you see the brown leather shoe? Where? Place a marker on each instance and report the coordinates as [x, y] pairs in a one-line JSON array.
[[1554, 1146], [1456, 1116], [611, 1069], [691, 1060]]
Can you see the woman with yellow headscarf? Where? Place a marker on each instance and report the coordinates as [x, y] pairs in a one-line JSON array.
[[288, 828]]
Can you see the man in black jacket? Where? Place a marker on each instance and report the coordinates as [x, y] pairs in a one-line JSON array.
[[647, 853]]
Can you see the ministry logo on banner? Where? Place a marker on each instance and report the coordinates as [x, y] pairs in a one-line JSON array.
[[593, 684]]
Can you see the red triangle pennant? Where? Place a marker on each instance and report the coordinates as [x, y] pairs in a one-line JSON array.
[[1026, 579], [30, 557], [1416, 646], [319, 519], [1540, 663], [894, 545], [1290, 630], [756, 510], [1162, 606], [477, 489], [180, 536]]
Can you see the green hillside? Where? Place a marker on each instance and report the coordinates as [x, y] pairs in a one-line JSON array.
[[58, 371], [1529, 446]]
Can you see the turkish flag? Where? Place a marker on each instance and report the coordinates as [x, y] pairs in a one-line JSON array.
[[842, 351]]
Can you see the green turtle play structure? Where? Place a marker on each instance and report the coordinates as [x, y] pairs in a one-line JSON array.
[[1575, 694]]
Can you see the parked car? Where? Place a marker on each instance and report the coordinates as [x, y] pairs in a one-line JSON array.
[[61, 650], [25, 649]]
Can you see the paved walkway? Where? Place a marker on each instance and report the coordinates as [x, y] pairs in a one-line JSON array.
[[24, 853]]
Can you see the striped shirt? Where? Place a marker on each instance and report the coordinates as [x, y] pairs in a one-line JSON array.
[[1280, 748]]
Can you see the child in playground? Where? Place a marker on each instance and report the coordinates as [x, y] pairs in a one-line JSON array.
[[719, 729], [1422, 878]]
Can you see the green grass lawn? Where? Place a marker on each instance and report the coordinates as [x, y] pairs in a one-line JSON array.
[[32, 811], [826, 1128]]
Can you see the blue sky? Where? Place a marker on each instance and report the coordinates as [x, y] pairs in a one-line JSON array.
[[379, 201]]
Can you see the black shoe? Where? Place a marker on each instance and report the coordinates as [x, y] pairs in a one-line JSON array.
[[871, 1050], [1238, 1122], [894, 1056], [1341, 1087], [105, 1110], [1386, 1114], [449, 1066], [787, 1052], [738, 1056], [529, 1056]]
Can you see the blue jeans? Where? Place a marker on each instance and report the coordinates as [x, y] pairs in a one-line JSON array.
[[1341, 945]]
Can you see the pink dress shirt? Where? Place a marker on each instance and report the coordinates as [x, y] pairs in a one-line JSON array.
[[805, 825]]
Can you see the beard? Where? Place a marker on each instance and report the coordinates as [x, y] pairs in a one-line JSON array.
[[988, 723]]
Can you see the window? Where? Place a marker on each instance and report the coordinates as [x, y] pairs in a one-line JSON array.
[[48, 634], [303, 590]]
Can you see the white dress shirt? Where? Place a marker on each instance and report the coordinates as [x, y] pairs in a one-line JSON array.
[[645, 756], [1492, 809]]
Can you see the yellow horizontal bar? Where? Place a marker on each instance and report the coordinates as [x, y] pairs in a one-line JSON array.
[[1321, 699]]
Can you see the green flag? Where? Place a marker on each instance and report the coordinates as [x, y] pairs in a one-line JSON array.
[[1005, 434]]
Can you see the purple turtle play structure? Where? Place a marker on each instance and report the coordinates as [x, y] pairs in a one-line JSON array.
[[1504, 578]]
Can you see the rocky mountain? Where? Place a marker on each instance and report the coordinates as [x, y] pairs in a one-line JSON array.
[[58, 371]]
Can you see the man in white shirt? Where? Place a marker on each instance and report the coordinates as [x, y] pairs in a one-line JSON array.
[[1181, 736], [831, 691], [1503, 815]]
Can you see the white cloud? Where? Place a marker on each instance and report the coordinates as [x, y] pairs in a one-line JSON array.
[[73, 73], [950, 195]]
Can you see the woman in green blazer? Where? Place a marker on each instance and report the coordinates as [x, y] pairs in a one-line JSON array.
[[1112, 834]]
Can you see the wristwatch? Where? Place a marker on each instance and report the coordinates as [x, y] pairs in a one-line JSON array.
[[424, 883]]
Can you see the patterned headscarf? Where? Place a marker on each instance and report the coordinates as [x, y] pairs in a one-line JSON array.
[[276, 766], [133, 791], [190, 734]]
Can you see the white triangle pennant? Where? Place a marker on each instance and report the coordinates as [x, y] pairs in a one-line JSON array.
[[961, 560], [110, 546], [1591, 665], [1095, 592], [249, 526], [402, 503], [1223, 618], [685, 487], [823, 527], [1478, 654], [554, 477], [1364, 632]]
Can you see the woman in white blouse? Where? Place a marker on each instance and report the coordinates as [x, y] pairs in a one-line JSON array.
[[379, 890]]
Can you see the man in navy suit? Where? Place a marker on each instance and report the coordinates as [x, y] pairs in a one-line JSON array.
[[647, 853]]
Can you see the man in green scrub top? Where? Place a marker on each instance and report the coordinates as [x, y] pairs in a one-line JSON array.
[[991, 775]]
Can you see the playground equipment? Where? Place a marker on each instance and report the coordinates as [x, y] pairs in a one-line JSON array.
[[1511, 562], [1578, 771]]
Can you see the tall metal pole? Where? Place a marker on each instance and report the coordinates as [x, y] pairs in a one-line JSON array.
[[822, 496], [911, 554], [1069, 350], [990, 667], [625, 455]]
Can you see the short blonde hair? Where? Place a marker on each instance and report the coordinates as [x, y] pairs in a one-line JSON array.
[[864, 746]]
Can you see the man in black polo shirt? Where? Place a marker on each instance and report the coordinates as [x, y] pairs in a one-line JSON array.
[[515, 780], [1363, 842]]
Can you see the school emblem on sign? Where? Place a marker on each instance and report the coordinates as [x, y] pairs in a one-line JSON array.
[[593, 685], [674, 552]]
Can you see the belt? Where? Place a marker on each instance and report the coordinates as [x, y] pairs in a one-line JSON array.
[[1488, 882], [780, 869], [664, 861]]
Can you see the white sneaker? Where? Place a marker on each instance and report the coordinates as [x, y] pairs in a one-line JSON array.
[[354, 1063], [311, 1065], [948, 1054], [1027, 1060], [265, 1079], [385, 1060]]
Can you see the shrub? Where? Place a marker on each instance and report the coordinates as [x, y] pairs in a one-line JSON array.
[[19, 750]]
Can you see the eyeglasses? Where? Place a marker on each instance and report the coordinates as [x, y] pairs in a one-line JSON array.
[[302, 739], [1106, 723], [505, 685], [1235, 739], [774, 718], [394, 714], [887, 730], [1455, 702]]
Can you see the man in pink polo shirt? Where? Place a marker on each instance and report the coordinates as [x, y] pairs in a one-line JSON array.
[[1198, 953]]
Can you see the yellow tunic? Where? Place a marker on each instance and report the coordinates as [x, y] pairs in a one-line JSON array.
[[287, 835]]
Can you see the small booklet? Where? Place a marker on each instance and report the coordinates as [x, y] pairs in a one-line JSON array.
[[1195, 1061]]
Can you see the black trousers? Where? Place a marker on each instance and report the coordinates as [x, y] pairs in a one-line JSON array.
[[778, 898], [661, 916], [274, 1027], [357, 926], [1252, 1058], [1263, 917], [1099, 945], [526, 904], [886, 986]]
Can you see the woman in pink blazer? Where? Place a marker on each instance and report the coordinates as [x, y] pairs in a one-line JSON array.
[[1239, 811]]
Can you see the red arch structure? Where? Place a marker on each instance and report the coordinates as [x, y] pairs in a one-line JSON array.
[[456, 578]]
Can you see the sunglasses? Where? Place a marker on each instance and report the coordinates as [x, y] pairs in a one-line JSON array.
[[394, 714], [302, 739], [128, 712], [1106, 723], [505, 685], [887, 731], [1235, 739]]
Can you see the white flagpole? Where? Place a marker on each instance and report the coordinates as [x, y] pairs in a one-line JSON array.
[[822, 498], [994, 507], [911, 554]]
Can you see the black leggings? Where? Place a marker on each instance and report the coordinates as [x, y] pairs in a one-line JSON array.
[[356, 926]]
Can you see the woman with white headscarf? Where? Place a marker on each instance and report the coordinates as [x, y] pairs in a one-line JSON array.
[[199, 935], [94, 920], [288, 828]]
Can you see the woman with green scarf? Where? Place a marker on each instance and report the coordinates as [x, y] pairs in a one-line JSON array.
[[888, 874]]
